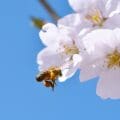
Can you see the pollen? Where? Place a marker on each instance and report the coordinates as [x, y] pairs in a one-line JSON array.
[[71, 50], [54, 73], [113, 59], [96, 17]]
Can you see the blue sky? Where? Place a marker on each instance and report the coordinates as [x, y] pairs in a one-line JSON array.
[[21, 97]]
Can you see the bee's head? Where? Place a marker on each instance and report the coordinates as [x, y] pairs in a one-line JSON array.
[[39, 77]]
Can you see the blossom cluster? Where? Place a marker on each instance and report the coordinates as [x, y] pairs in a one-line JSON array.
[[87, 40]]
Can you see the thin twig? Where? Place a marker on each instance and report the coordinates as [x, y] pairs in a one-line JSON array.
[[49, 9]]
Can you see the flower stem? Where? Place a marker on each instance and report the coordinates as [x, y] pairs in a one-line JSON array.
[[37, 22], [53, 14]]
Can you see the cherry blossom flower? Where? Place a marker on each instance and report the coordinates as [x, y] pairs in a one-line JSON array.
[[88, 40], [92, 14], [61, 46], [103, 46]]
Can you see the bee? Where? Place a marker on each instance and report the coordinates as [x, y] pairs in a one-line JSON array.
[[49, 77], [49, 84]]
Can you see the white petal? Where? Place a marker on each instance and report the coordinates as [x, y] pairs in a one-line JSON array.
[[111, 6], [70, 20], [112, 22], [88, 73], [63, 78], [81, 5], [49, 34], [90, 67], [67, 73], [117, 35], [99, 42], [74, 21], [85, 31], [77, 59], [109, 85], [98, 5], [49, 57]]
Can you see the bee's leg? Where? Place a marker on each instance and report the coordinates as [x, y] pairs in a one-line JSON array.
[[54, 82], [53, 87]]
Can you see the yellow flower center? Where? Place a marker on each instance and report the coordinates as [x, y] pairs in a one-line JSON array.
[[113, 59], [96, 17]]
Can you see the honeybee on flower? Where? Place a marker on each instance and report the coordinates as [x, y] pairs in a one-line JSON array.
[[89, 41], [105, 51], [49, 77]]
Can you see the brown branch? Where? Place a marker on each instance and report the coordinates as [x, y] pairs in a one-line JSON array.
[[49, 9]]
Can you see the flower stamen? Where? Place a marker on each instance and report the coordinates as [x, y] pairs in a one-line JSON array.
[[113, 59], [95, 17], [71, 50]]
